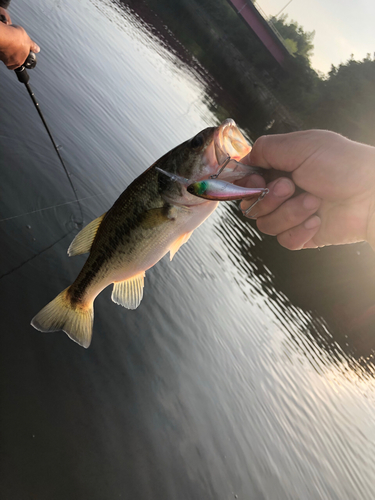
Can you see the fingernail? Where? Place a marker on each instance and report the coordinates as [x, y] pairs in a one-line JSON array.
[[311, 202], [283, 187], [312, 222]]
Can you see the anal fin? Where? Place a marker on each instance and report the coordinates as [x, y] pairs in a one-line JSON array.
[[129, 293], [83, 241], [178, 243]]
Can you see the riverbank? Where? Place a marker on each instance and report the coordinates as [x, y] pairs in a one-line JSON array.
[[196, 29]]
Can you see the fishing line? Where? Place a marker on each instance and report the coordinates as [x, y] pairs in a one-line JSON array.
[[31, 93], [24, 78], [34, 256], [55, 206]]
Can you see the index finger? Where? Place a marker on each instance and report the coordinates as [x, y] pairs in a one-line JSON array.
[[287, 152]]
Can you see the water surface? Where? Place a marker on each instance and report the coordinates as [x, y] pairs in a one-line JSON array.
[[247, 370]]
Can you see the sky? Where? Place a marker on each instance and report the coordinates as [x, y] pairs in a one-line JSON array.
[[342, 27]]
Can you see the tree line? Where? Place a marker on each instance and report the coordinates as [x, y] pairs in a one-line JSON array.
[[342, 101]]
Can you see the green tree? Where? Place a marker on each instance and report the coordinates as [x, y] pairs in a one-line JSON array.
[[297, 89], [346, 101], [294, 35]]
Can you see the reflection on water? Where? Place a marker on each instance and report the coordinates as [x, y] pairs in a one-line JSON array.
[[315, 379], [335, 286], [247, 370]]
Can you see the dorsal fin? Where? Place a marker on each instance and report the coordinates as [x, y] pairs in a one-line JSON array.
[[178, 243], [83, 241], [129, 293]]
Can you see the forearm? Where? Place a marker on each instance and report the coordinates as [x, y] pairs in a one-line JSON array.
[[371, 218], [365, 157]]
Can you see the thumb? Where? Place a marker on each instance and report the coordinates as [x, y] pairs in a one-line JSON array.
[[34, 47], [289, 151]]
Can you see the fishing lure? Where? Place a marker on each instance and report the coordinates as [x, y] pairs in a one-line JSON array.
[[216, 189]]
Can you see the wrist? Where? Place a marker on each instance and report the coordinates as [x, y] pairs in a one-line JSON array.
[[371, 229], [370, 233]]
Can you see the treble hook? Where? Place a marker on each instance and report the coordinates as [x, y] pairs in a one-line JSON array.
[[215, 176], [247, 211]]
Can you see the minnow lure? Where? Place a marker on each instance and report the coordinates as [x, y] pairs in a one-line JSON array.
[[216, 189]]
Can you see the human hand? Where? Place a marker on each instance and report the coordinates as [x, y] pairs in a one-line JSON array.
[[15, 45], [6, 16], [338, 176]]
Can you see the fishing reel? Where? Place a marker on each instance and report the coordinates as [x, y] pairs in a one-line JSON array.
[[30, 62], [21, 72]]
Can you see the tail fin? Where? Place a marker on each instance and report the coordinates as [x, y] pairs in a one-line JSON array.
[[76, 321]]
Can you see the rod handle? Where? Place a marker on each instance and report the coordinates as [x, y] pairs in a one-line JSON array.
[[30, 63]]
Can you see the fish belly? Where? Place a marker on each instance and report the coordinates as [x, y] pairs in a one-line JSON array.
[[153, 248], [152, 245]]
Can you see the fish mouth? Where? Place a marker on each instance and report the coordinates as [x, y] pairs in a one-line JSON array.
[[229, 142], [218, 152], [224, 146], [222, 157]]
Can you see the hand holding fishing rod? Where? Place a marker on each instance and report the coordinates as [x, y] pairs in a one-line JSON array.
[[23, 77], [10, 53], [15, 43]]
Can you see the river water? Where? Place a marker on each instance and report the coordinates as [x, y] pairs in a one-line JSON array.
[[247, 370]]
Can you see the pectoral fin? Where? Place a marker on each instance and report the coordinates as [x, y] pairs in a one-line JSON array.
[[129, 293], [157, 216], [178, 243], [83, 241]]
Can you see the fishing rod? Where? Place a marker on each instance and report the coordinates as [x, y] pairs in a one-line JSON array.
[[24, 78]]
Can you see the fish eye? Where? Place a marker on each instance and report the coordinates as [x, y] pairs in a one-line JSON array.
[[197, 141]]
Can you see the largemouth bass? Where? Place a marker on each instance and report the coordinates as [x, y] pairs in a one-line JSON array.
[[153, 216]]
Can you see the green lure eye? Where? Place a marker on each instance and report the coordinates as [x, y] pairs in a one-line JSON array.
[[198, 188]]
